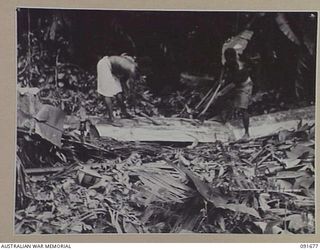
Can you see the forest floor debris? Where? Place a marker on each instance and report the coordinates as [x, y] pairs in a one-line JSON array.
[[264, 185]]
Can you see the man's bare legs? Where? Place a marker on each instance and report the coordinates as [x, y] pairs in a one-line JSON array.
[[226, 116], [108, 101], [124, 112], [120, 100], [246, 121]]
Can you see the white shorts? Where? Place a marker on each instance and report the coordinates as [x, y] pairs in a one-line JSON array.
[[107, 84]]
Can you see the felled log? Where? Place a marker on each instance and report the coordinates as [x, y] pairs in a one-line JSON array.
[[169, 130], [187, 130], [272, 123], [149, 118]]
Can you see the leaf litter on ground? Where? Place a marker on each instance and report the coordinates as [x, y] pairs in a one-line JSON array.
[[148, 188]]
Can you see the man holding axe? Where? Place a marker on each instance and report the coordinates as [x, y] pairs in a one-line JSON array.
[[234, 84], [236, 73], [115, 75]]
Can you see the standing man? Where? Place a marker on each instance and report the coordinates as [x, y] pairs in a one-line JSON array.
[[115, 76], [237, 72]]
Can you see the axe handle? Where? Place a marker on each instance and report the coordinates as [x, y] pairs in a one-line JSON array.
[[213, 97], [203, 99]]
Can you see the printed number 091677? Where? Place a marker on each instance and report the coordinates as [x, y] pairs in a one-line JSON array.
[[314, 245]]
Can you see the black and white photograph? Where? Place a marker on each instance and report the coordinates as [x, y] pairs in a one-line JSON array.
[[165, 121]]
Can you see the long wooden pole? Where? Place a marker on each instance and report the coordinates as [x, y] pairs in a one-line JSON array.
[[211, 100], [203, 99]]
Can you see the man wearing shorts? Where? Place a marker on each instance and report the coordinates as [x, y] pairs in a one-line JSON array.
[[237, 72], [115, 75]]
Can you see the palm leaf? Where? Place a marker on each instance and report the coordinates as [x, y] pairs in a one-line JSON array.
[[286, 29]]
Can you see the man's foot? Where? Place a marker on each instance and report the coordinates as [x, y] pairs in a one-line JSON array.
[[245, 137], [113, 122], [116, 123]]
